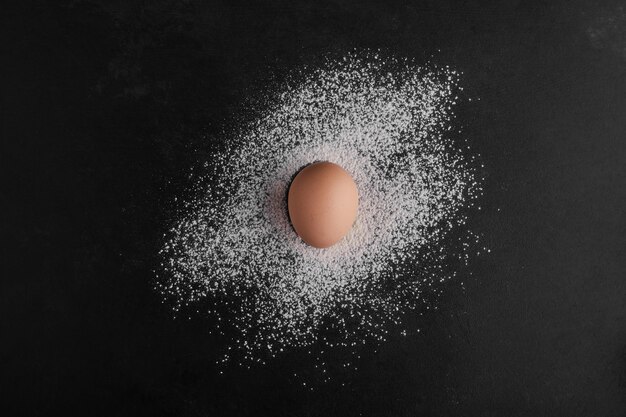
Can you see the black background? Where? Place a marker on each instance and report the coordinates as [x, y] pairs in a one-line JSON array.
[[107, 105]]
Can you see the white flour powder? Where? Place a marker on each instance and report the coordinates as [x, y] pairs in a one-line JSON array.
[[386, 122]]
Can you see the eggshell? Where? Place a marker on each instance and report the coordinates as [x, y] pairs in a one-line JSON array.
[[323, 202]]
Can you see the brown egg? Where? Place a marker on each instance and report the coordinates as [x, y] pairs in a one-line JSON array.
[[323, 202]]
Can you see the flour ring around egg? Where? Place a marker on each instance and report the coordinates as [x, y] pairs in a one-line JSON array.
[[278, 187]]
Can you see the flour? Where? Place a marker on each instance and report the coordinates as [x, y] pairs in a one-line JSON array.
[[385, 121]]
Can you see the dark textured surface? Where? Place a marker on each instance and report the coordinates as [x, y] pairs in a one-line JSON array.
[[107, 105]]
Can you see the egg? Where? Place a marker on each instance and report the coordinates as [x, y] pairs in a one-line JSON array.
[[323, 202]]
